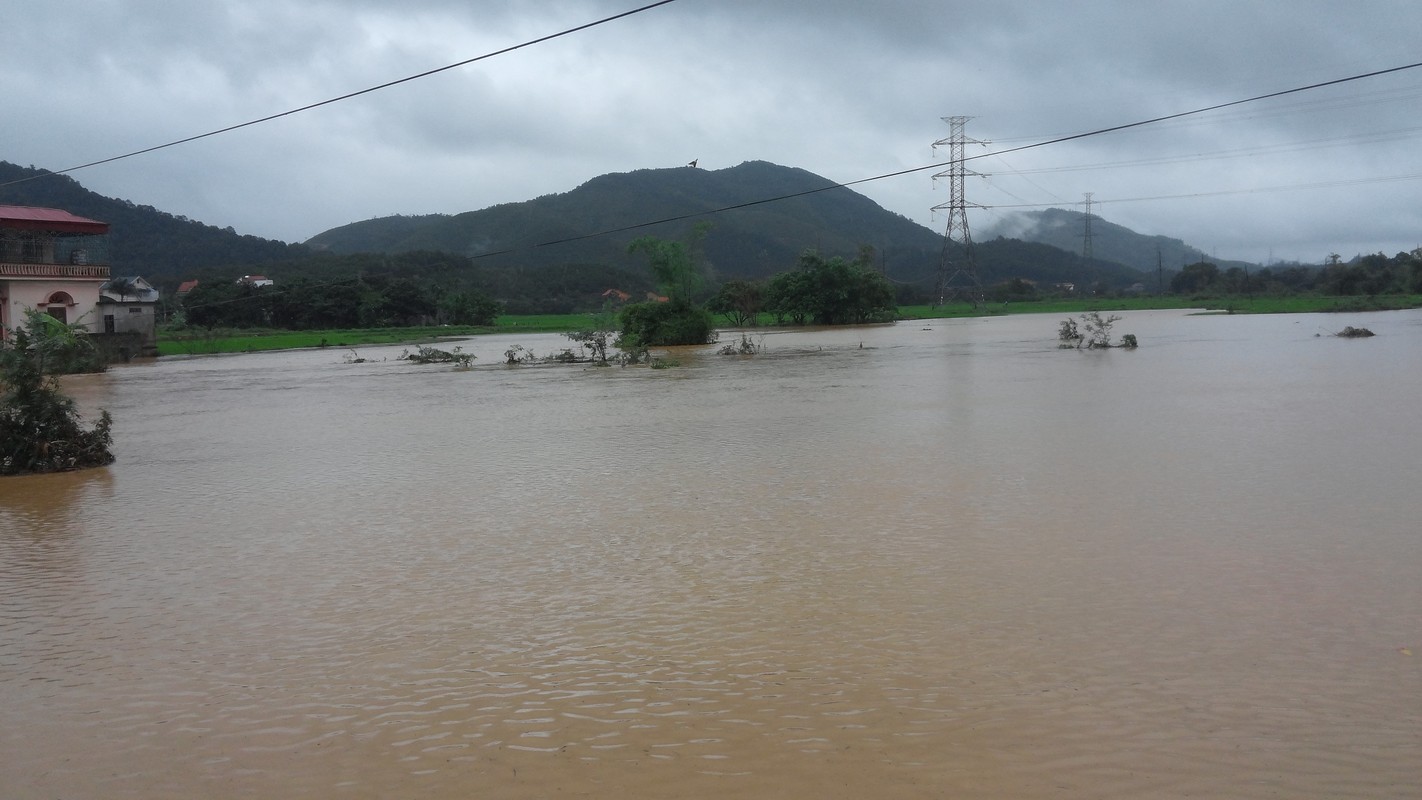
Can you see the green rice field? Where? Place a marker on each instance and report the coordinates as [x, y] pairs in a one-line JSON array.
[[203, 342]]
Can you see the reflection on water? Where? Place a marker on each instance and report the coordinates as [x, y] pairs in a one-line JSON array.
[[930, 559]]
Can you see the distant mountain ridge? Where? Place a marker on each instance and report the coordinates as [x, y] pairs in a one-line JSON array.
[[765, 216], [1066, 229]]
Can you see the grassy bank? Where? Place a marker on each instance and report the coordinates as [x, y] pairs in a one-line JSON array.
[[250, 341], [220, 340], [1224, 305]]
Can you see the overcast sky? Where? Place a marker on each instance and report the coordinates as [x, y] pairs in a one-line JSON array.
[[847, 90]]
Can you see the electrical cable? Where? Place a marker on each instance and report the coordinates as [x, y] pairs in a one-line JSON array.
[[1223, 192], [349, 95], [912, 170]]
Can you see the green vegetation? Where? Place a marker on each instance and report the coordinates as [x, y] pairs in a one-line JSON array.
[[360, 302], [665, 324], [1094, 333], [248, 341], [152, 243], [40, 429], [209, 342], [739, 301], [57, 348], [433, 355], [675, 319], [1293, 304], [831, 292], [751, 242]]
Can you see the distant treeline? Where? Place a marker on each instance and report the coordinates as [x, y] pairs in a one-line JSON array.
[[404, 289], [360, 302], [1366, 275]]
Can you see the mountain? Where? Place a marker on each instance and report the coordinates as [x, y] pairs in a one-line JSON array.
[[755, 239], [570, 245], [144, 241], [1064, 229]]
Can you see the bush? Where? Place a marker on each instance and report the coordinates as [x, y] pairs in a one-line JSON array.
[[40, 430], [433, 355], [665, 324]]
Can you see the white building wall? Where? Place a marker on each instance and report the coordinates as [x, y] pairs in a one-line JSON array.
[[22, 295]]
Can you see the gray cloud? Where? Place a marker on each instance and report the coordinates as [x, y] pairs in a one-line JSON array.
[[845, 89]]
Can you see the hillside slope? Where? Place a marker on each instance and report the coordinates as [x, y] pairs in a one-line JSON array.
[[162, 247], [755, 240]]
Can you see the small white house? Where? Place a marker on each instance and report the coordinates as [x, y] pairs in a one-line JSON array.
[[130, 305]]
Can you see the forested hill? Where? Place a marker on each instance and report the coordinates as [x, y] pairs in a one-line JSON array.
[[753, 241], [143, 240], [508, 251], [1064, 229]]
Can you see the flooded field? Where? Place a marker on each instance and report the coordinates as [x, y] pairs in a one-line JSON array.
[[933, 559]]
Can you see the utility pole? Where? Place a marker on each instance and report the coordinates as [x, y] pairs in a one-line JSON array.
[[1086, 242], [957, 267], [1159, 271]]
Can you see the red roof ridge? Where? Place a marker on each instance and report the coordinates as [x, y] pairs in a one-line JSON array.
[[55, 219]]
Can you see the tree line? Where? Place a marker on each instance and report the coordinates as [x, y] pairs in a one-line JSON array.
[[1373, 274], [359, 302], [818, 290]]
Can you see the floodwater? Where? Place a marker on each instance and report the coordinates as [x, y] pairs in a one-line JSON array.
[[939, 559]]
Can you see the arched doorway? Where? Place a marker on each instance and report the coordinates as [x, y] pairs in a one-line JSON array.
[[58, 306]]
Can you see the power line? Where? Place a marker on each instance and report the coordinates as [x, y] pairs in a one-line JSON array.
[[912, 170], [1250, 152], [1334, 105], [349, 95], [1224, 192]]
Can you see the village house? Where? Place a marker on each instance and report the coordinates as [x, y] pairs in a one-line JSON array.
[[58, 263], [53, 261], [130, 306]]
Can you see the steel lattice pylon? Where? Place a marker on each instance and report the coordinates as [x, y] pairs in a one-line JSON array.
[[957, 267]]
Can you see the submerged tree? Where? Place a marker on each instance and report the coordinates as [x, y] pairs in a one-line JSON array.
[[1098, 328], [1093, 334], [674, 264], [831, 292], [739, 300], [677, 319], [40, 429]]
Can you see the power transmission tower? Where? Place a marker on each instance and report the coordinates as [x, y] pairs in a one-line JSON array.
[[1086, 254], [957, 267]]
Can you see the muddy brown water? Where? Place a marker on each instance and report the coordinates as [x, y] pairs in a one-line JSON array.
[[935, 559]]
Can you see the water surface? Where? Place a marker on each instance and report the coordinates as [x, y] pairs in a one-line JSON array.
[[927, 559]]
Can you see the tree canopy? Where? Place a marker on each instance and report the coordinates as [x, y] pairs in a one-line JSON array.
[[678, 273], [830, 292], [361, 302]]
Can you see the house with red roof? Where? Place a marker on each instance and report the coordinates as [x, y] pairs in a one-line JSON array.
[[53, 261]]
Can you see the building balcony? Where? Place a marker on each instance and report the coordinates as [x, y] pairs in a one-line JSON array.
[[25, 255], [39, 272]]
